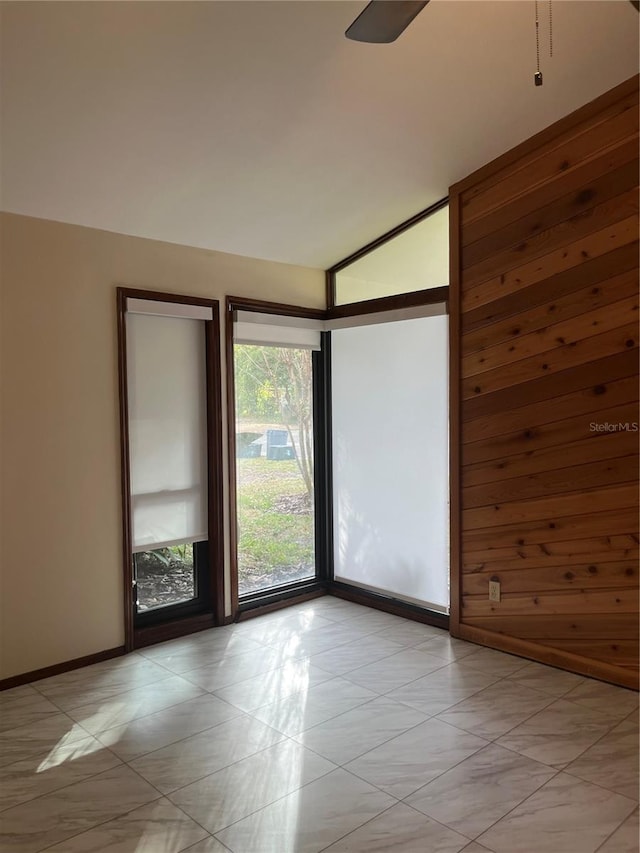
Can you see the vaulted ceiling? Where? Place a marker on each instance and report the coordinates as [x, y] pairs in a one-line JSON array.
[[256, 128]]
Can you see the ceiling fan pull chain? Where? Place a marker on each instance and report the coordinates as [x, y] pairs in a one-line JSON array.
[[550, 29], [537, 77]]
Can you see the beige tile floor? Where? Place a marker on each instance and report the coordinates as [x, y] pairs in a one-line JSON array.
[[324, 727]]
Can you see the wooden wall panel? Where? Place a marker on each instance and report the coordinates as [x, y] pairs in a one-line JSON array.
[[544, 329]]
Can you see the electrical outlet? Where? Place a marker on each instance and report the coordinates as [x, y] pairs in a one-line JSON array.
[[494, 590]]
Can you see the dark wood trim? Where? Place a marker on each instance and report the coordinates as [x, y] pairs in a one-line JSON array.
[[390, 303], [161, 296], [377, 601], [329, 286], [582, 114], [125, 476], [173, 629], [137, 637], [258, 609], [215, 493], [59, 668], [231, 305], [549, 655], [240, 303], [454, 414]]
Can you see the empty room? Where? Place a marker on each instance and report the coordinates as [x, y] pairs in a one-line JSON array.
[[320, 416]]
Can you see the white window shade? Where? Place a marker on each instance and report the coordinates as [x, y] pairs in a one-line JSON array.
[[167, 430], [391, 459], [277, 331]]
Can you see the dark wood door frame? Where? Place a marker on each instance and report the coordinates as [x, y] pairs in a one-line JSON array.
[[138, 637], [306, 590]]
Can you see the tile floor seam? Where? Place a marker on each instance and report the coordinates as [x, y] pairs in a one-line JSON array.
[[266, 805], [598, 785], [223, 767], [328, 719], [93, 826], [72, 723], [351, 831], [426, 675], [113, 696], [611, 835], [597, 741], [189, 817], [400, 651], [556, 774], [140, 716], [371, 663], [90, 828], [58, 708], [373, 784], [435, 820], [360, 755], [215, 837], [248, 678], [173, 742], [596, 711], [196, 734], [120, 763], [502, 734], [517, 805], [453, 767], [330, 677], [522, 755], [183, 673]]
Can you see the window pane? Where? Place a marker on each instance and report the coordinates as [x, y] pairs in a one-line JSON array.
[[165, 576], [274, 440], [417, 259]]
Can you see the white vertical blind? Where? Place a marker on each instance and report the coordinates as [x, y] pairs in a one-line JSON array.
[[167, 430], [391, 458]]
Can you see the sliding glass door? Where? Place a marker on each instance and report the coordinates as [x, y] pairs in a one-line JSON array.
[[390, 459]]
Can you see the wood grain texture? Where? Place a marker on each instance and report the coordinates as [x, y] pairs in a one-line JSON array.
[[557, 434], [569, 268], [554, 603], [601, 397], [561, 529], [611, 444], [537, 317], [547, 383], [584, 576], [554, 359], [592, 375], [546, 206], [550, 506], [604, 317], [540, 243]]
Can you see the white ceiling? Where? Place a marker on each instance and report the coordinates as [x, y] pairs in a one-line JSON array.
[[257, 128]]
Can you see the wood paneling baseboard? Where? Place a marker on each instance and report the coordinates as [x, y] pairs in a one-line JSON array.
[[583, 664], [544, 305]]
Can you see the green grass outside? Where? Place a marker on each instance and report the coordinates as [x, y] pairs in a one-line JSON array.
[[270, 538]]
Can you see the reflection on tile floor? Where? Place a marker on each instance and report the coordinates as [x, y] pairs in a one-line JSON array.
[[323, 727]]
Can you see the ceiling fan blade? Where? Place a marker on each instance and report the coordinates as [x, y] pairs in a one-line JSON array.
[[382, 21]]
